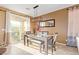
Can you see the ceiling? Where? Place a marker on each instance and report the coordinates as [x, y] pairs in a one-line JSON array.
[[28, 8]]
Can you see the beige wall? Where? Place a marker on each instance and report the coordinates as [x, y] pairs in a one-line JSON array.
[[32, 25], [61, 24]]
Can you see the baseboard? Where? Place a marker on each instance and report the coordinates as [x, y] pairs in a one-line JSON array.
[[60, 43]]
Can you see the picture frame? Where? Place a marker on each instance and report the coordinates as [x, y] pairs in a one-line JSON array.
[[47, 23]]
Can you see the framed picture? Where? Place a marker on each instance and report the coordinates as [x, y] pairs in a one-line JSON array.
[[47, 23]]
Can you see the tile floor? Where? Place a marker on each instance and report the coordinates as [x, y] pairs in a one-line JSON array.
[[20, 49]]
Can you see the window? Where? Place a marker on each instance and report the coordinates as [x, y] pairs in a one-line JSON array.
[[15, 23]]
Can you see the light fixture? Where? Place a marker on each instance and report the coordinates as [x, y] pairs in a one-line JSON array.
[[35, 11]]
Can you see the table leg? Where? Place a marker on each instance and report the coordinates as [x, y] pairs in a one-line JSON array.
[[27, 41], [24, 41], [46, 47]]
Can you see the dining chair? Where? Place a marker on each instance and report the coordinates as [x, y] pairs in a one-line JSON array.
[[28, 39], [43, 35], [40, 41], [51, 42], [54, 42], [28, 32]]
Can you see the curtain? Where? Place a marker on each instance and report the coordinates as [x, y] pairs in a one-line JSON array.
[[27, 24], [73, 20], [73, 27]]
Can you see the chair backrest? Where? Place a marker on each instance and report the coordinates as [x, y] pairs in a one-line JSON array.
[[42, 33], [52, 39], [55, 38], [28, 32]]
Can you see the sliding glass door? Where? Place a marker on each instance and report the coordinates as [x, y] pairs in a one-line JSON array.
[[17, 26], [15, 31]]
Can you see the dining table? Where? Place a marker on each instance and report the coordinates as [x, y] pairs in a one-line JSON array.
[[38, 38]]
